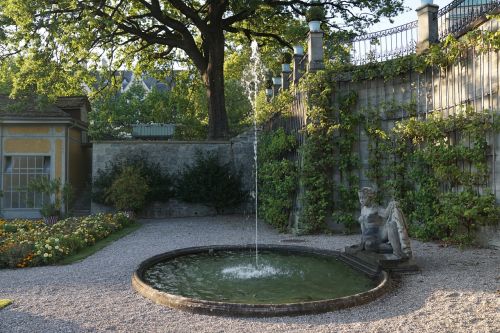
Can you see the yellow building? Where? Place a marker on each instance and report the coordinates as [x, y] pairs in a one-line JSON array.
[[37, 140]]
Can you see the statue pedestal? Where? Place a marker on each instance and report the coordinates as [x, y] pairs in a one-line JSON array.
[[374, 261]]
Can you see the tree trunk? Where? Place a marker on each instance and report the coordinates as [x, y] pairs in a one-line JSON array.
[[213, 78]]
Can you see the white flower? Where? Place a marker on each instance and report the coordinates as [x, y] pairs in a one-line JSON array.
[[45, 255]]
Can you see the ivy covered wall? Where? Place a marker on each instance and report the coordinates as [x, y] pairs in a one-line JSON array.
[[423, 129]]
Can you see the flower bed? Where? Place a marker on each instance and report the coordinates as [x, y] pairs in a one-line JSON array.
[[25, 243]]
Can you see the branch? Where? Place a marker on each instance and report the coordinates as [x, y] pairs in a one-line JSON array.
[[249, 33]]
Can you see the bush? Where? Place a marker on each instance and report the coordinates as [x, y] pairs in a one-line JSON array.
[[458, 214], [315, 13], [128, 191], [209, 182], [160, 184], [62, 193]]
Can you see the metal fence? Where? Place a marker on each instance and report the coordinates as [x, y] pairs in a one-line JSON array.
[[456, 18], [384, 45]]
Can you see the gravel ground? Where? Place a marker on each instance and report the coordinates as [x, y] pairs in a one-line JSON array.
[[456, 291]]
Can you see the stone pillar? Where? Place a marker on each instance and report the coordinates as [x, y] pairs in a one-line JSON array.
[[315, 49], [285, 76], [276, 85], [298, 54], [427, 26]]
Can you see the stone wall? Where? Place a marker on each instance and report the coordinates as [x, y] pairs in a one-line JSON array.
[[472, 81], [173, 156]]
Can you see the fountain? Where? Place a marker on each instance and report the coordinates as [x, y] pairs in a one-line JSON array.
[[257, 279]]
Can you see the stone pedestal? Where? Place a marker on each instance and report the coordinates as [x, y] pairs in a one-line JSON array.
[[315, 49], [285, 78], [375, 261], [427, 27]]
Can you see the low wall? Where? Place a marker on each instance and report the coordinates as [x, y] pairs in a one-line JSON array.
[[173, 156]]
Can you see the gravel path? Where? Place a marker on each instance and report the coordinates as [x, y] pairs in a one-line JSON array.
[[457, 290]]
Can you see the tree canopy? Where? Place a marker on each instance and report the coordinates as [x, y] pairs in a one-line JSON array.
[[56, 38]]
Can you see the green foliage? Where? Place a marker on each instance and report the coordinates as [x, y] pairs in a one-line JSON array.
[[33, 243], [278, 105], [315, 13], [286, 58], [210, 182], [275, 146], [277, 177], [54, 40], [128, 191], [434, 167], [332, 132], [318, 156], [160, 184], [113, 114], [439, 164], [185, 105], [60, 194], [458, 214]]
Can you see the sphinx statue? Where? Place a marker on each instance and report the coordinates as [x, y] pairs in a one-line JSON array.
[[383, 230]]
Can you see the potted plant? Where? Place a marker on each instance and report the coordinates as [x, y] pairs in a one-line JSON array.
[[314, 15], [269, 87], [286, 59], [59, 195]]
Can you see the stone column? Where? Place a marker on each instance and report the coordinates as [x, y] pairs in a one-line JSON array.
[[298, 54], [276, 85], [427, 26], [315, 49], [285, 76]]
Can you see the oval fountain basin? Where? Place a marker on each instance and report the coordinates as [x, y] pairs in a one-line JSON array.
[[226, 280]]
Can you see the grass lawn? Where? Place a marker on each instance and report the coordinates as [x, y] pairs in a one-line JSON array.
[[4, 303], [99, 245]]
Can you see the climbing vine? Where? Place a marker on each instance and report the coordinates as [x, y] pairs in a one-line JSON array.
[[317, 155], [330, 165], [445, 161], [277, 177], [436, 167]]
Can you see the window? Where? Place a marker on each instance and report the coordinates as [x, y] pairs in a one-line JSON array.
[[18, 172]]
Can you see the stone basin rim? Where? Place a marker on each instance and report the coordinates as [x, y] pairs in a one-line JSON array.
[[252, 310]]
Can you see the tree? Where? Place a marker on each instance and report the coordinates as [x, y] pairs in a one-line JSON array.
[[147, 31]]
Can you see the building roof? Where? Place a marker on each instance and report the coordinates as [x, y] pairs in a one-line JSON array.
[[30, 109]]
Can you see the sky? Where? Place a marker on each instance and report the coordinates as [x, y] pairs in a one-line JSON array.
[[408, 16]]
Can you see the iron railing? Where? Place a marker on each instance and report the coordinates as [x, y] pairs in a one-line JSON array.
[[455, 18], [384, 45]]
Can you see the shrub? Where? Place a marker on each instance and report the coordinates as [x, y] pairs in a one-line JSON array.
[[160, 184], [128, 191], [210, 182], [62, 193], [315, 13], [457, 216]]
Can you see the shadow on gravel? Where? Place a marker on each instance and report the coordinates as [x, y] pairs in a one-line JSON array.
[[14, 321]]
